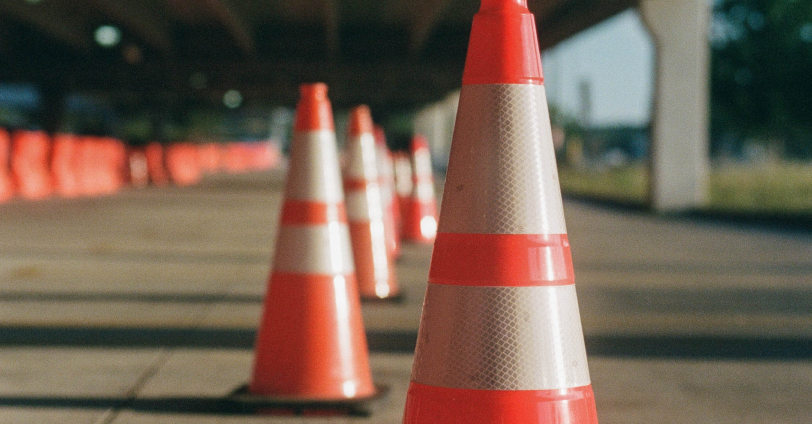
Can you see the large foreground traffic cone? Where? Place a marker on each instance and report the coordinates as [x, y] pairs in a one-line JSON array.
[[500, 338], [311, 343], [420, 215], [373, 265]]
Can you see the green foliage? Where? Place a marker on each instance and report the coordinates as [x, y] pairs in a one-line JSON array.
[[761, 61]]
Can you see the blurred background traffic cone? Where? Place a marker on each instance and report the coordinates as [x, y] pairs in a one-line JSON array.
[[311, 343], [500, 338], [386, 179], [420, 215], [373, 265], [6, 181], [30, 156], [137, 170], [402, 167]]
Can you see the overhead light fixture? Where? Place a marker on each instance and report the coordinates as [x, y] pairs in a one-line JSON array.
[[232, 99], [107, 36]]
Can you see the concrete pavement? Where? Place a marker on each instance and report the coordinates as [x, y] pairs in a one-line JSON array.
[[141, 308]]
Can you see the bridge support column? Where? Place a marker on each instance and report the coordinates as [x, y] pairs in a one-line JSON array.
[[679, 153]]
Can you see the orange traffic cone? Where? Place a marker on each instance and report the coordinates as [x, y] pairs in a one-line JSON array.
[[30, 154], [500, 338], [386, 180], [311, 343], [137, 170], [420, 216], [373, 266], [182, 163], [403, 184], [6, 181]]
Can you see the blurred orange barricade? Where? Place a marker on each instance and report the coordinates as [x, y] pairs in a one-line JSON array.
[[156, 168], [6, 181], [138, 173], [64, 165], [183, 164], [30, 153], [209, 154]]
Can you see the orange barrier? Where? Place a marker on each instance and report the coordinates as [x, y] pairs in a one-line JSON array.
[[6, 180], [64, 165], [373, 265], [420, 215], [311, 343], [182, 164], [30, 157], [156, 168], [500, 337]]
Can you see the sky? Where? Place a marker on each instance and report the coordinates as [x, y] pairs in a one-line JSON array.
[[615, 59]]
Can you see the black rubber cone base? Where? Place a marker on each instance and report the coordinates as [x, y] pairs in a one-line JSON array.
[[270, 405]]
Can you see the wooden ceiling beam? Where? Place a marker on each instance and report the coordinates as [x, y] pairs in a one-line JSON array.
[[425, 16], [48, 18], [150, 28], [236, 25]]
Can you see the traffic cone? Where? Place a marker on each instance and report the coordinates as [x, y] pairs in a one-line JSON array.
[[30, 156], [6, 181], [500, 338], [420, 216], [373, 266], [386, 180], [311, 343], [403, 184], [137, 170], [182, 164]]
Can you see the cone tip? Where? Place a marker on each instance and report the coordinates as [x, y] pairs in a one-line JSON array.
[[313, 113], [360, 120], [419, 142], [490, 5]]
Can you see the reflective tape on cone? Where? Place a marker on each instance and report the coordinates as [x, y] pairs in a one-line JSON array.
[[311, 343], [500, 338]]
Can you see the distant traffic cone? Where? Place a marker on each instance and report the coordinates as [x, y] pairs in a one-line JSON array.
[[403, 184], [30, 155], [420, 216], [6, 181], [500, 338], [386, 180], [182, 164], [373, 265], [311, 343]]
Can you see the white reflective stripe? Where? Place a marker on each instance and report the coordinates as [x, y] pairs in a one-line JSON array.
[[316, 249], [502, 176], [365, 205], [501, 338], [424, 192], [313, 173], [361, 161], [403, 176], [422, 162]]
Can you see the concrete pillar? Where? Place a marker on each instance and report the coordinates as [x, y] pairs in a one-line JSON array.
[[679, 153]]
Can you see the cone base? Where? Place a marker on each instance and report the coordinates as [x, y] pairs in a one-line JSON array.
[[397, 298], [429, 405], [291, 405]]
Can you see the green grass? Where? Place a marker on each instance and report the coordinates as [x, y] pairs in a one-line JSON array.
[[776, 188]]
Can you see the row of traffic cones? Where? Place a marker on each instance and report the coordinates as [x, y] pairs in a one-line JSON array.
[[500, 338], [34, 165]]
